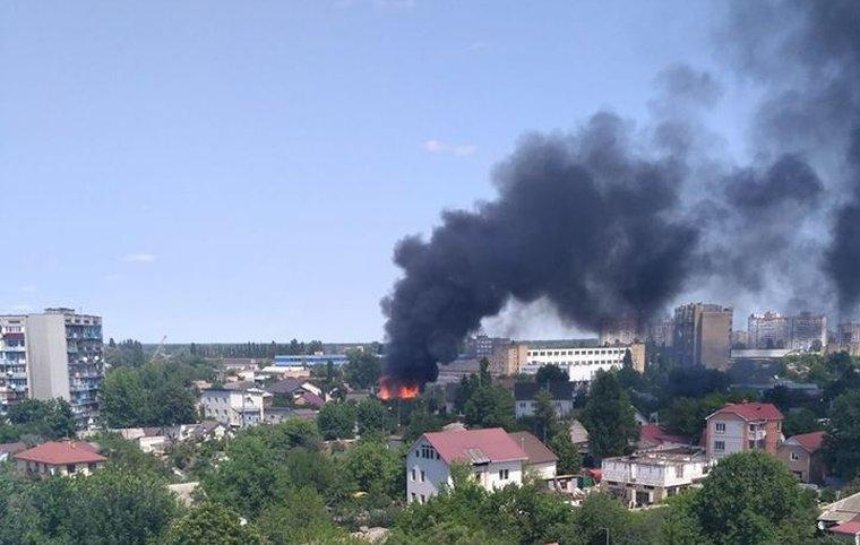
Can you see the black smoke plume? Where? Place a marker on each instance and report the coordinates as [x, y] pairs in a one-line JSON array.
[[608, 221]]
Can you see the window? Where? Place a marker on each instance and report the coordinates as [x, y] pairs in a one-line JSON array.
[[427, 452], [752, 427], [422, 475], [422, 498], [795, 457], [70, 468], [679, 471], [414, 496], [720, 427], [522, 404], [413, 474], [92, 466], [503, 474], [720, 445]]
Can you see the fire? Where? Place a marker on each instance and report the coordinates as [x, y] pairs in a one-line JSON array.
[[389, 389]]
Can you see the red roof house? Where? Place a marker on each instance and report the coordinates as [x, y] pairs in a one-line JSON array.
[[60, 458], [652, 436], [801, 453], [494, 458], [743, 426]]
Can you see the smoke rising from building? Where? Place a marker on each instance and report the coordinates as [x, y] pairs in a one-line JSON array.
[[613, 220]]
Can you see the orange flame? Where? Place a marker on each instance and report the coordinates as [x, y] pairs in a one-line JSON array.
[[389, 389]]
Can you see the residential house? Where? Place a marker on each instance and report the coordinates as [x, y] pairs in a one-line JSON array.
[[526, 393], [60, 458], [495, 459], [743, 426], [841, 517], [802, 454], [235, 407], [654, 437], [579, 436], [650, 477], [276, 415], [541, 461]]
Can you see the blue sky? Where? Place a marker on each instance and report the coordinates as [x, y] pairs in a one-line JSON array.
[[242, 170]]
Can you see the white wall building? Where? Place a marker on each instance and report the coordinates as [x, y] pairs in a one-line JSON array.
[[494, 457], [652, 476], [580, 363], [237, 408]]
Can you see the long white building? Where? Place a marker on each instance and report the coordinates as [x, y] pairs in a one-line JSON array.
[[582, 362]]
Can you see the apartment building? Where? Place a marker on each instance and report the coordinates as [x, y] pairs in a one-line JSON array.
[[743, 426], [56, 354], [703, 335], [805, 331]]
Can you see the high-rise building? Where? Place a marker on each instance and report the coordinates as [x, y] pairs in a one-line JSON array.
[[660, 332], [703, 335], [58, 353], [808, 331], [769, 330]]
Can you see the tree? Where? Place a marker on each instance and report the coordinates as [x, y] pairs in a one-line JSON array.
[[372, 417], [155, 394], [490, 406], [801, 421], [609, 417], [111, 507], [375, 468], [363, 369], [122, 398], [545, 419], [569, 458], [752, 498], [212, 524], [843, 436], [51, 419], [421, 421], [550, 373], [128, 353], [337, 420], [250, 479], [301, 518]]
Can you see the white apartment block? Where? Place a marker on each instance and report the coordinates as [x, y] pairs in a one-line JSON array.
[[495, 459], [650, 477], [582, 363], [55, 354], [236, 408]]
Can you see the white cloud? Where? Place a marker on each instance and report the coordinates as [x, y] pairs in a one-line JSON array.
[[460, 150], [29, 289], [22, 307], [139, 258]]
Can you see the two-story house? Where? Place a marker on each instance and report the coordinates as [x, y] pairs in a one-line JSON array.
[[542, 462], [743, 426], [652, 476], [561, 393], [238, 408], [494, 458], [802, 454]]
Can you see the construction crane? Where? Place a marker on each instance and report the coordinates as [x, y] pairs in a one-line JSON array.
[[158, 350]]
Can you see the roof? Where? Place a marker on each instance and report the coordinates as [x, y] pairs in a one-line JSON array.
[[310, 398], [286, 386], [810, 442], [534, 449], [61, 452], [653, 433], [12, 448], [849, 528], [842, 510], [578, 433], [529, 390], [476, 446], [751, 411]]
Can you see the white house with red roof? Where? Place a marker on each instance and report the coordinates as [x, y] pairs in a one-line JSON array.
[[743, 426], [60, 458], [496, 460]]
